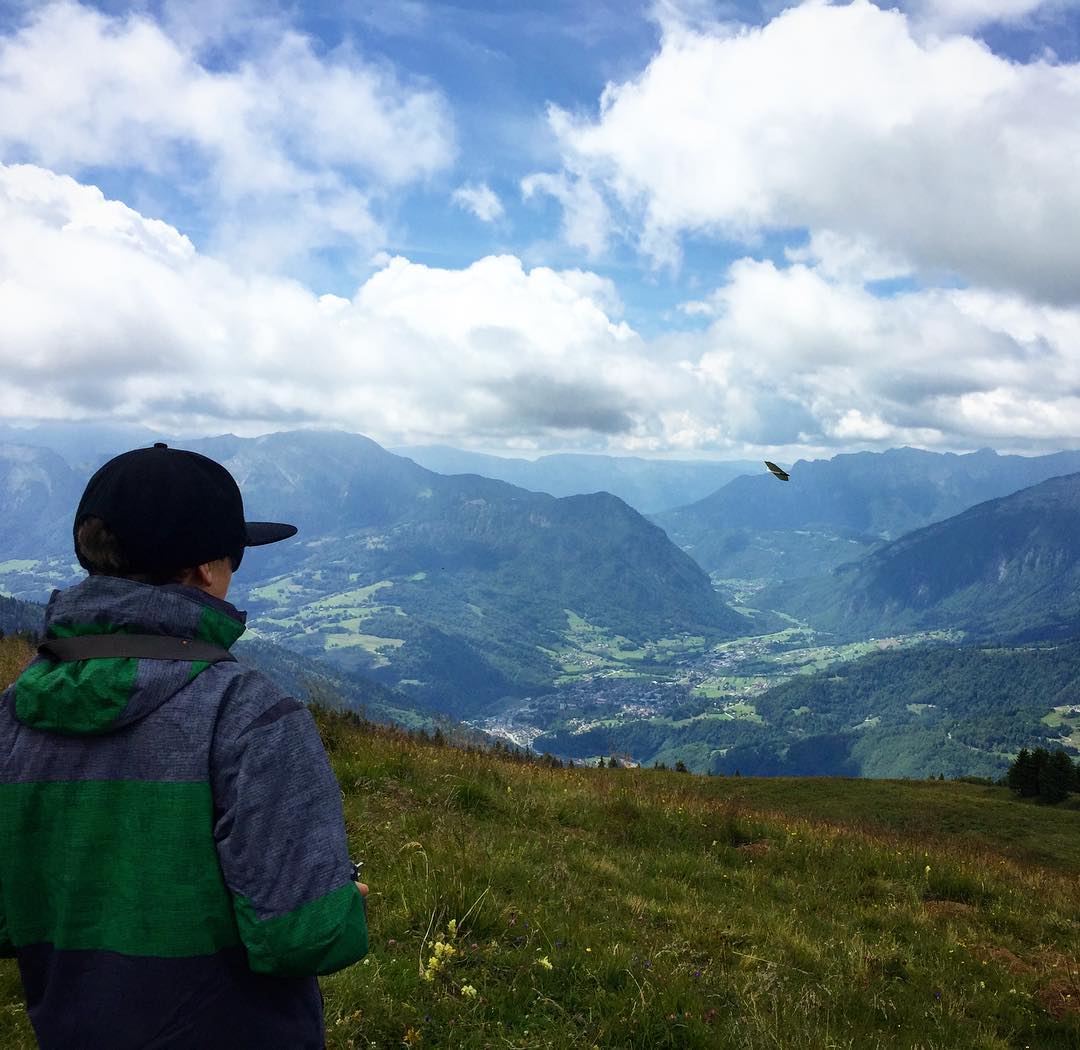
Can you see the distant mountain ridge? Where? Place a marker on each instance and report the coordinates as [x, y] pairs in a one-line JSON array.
[[38, 496], [81, 443], [834, 511], [647, 485], [1009, 567]]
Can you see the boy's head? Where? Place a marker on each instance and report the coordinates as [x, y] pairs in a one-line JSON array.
[[163, 515]]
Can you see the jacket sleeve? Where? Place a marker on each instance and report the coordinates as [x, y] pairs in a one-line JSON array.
[[280, 835]]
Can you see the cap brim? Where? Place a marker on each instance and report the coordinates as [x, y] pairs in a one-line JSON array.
[[260, 533]]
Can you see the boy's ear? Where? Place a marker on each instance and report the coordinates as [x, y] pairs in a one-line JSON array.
[[199, 576]]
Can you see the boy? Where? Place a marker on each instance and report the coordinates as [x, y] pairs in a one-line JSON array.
[[174, 870]]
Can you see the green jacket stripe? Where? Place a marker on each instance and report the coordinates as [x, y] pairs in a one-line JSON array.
[[106, 901]]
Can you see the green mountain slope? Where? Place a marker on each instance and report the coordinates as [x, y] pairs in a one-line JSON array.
[[314, 681], [457, 589], [1008, 567], [834, 511]]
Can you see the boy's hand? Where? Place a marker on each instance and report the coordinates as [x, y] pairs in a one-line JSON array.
[[362, 887]]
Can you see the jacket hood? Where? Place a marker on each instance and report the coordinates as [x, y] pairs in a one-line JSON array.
[[103, 695]]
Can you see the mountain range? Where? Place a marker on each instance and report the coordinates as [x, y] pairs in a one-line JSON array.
[[458, 590], [647, 485], [1006, 568], [414, 593], [835, 511]]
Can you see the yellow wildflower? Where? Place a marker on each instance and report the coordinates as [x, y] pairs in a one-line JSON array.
[[545, 962], [468, 991]]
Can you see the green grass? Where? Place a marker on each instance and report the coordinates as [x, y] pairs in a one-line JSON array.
[[19, 565], [279, 590], [642, 909], [355, 598], [733, 685], [1064, 716], [821, 657], [956, 815]]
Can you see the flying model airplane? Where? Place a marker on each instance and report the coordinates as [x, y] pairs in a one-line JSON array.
[[783, 475]]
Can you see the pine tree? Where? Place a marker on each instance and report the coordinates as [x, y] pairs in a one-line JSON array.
[[1055, 777], [680, 767], [1023, 775], [1041, 759]]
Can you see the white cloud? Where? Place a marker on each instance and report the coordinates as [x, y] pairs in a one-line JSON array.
[[586, 221], [480, 199], [852, 259], [288, 142], [952, 15], [953, 367], [933, 152], [106, 314]]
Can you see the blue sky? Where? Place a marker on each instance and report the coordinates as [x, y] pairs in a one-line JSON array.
[[702, 229]]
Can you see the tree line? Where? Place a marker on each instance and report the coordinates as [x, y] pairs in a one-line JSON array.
[[1043, 774]]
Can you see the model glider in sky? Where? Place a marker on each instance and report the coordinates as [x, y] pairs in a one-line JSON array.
[[783, 475]]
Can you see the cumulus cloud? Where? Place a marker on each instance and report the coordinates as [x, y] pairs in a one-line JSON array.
[[586, 220], [853, 259], [953, 15], [944, 367], [285, 132], [931, 152], [480, 199], [107, 314]]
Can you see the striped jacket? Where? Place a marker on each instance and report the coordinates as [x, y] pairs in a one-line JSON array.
[[173, 864]]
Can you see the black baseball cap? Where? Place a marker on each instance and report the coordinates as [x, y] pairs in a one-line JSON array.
[[172, 509]]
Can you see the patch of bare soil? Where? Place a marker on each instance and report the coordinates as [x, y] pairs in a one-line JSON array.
[[1057, 977]]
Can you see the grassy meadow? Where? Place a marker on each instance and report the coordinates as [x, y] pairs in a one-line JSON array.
[[634, 908]]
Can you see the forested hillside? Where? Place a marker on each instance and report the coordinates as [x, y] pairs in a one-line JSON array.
[[457, 590], [835, 510], [1006, 568], [930, 710]]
